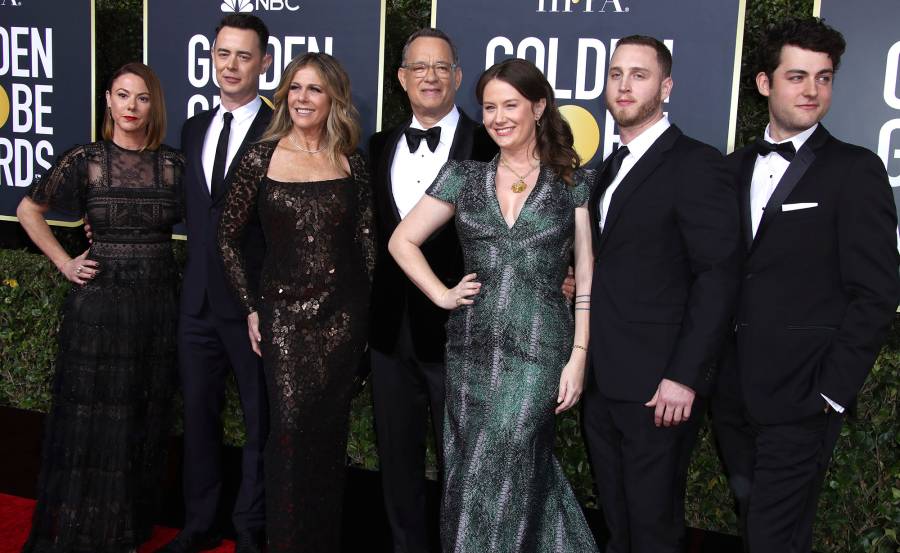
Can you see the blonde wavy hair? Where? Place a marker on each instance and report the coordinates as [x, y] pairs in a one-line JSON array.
[[342, 125]]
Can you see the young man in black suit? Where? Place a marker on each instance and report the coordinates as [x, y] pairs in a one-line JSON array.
[[666, 237], [212, 333], [819, 291], [407, 335]]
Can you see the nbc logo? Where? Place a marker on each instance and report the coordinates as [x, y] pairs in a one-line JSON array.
[[237, 6]]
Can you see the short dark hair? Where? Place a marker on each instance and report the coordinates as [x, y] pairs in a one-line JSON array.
[[430, 32], [249, 22], [663, 55], [808, 33]]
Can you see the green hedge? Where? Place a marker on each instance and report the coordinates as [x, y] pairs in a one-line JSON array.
[[860, 507]]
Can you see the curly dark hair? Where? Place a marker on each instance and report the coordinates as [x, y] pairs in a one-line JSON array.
[[554, 136], [808, 33]]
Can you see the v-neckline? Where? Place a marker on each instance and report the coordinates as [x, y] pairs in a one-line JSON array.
[[525, 204]]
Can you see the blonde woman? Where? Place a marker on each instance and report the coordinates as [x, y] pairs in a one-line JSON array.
[[308, 186]]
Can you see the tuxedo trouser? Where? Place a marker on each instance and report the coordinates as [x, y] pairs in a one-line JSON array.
[[404, 389], [208, 346], [775, 471], [640, 471]]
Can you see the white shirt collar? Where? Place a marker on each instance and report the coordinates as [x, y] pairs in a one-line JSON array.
[[243, 113], [798, 139], [447, 124], [642, 142]]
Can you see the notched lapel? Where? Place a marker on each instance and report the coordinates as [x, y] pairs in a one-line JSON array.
[[795, 171], [638, 176], [194, 149]]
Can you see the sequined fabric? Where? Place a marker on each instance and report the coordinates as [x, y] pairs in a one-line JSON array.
[[313, 306], [504, 490], [103, 446]]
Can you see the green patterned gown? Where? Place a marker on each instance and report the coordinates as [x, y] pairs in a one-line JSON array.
[[504, 490]]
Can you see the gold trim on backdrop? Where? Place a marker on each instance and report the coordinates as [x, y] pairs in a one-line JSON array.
[[736, 77], [69, 224], [817, 8], [93, 71], [381, 35], [146, 9], [434, 13]]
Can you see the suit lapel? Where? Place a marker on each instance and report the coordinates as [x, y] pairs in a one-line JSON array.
[[636, 177], [194, 149], [594, 207], [259, 124], [390, 151], [748, 162], [795, 171], [461, 147]]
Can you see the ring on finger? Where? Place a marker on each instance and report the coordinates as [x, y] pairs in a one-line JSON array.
[[79, 269]]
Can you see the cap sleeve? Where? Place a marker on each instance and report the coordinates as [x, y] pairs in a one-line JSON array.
[[63, 186], [448, 183], [583, 181]]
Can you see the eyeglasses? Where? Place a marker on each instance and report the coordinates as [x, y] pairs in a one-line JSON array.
[[420, 69]]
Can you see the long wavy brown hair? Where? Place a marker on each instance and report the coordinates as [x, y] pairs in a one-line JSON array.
[[555, 142], [342, 125]]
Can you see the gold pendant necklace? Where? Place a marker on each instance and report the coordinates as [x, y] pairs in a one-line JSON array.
[[519, 186]]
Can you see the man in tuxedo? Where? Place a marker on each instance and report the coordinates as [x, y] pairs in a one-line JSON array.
[[407, 335], [212, 333], [819, 291], [665, 238]]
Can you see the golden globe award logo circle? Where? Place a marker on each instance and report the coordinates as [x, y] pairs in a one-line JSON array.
[[584, 128], [4, 107]]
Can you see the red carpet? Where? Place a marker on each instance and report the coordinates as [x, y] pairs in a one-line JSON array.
[[15, 521]]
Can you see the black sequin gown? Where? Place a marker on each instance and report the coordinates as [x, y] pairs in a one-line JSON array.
[[313, 308], [112, 389]]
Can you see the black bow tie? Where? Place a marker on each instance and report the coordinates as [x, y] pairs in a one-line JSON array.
[[414, 137], [784, 149]]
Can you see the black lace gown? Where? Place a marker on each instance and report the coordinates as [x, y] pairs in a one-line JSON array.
[[313, 308], [112, 389]]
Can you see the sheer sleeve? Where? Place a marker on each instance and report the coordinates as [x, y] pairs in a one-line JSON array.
[[448, 183], [365, 223], [583, 184], [172, 175], [63, 186], [240, 204]]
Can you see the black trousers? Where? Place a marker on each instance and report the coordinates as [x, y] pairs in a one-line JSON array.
[[404, 389], [208, 347], [775, 471], [640, 471]]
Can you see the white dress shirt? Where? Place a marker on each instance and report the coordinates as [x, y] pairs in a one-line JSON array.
[[767, 173], [413, 172], [243, 118], [636, 149]]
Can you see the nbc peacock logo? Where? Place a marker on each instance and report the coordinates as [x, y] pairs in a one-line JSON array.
[[237, 6]]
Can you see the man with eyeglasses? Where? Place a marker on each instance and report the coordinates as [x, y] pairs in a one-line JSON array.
[[407, 335]]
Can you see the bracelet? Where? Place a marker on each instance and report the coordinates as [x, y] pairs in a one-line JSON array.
[[576, 346]]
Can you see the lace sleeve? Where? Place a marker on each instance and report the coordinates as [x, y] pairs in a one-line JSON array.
[[240, 203], [365, 229], [63, 186], [172, 174]]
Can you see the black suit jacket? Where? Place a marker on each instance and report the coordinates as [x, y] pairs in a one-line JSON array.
[[666, 270], [204, 273], [820, 285], [393, 294]]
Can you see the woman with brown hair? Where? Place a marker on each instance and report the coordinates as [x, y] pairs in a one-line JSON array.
[[104, 441], [309, 188], [513, 360]]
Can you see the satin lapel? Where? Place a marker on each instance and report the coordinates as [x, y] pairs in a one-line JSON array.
[[390, 147], [747, 163], [194, 149], [259, 124], [636, 177], [795, 171], [461, 147]]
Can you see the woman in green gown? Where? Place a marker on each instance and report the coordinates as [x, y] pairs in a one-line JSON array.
[[513, 359]]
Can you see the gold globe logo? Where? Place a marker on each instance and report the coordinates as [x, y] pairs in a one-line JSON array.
[[4, 107], [584, 128]]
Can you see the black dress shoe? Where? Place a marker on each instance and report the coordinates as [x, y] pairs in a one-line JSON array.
[[191, 543], [248, 541]]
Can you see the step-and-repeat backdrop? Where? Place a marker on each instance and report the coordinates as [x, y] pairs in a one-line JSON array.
[[46, 89], [571, 41]]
